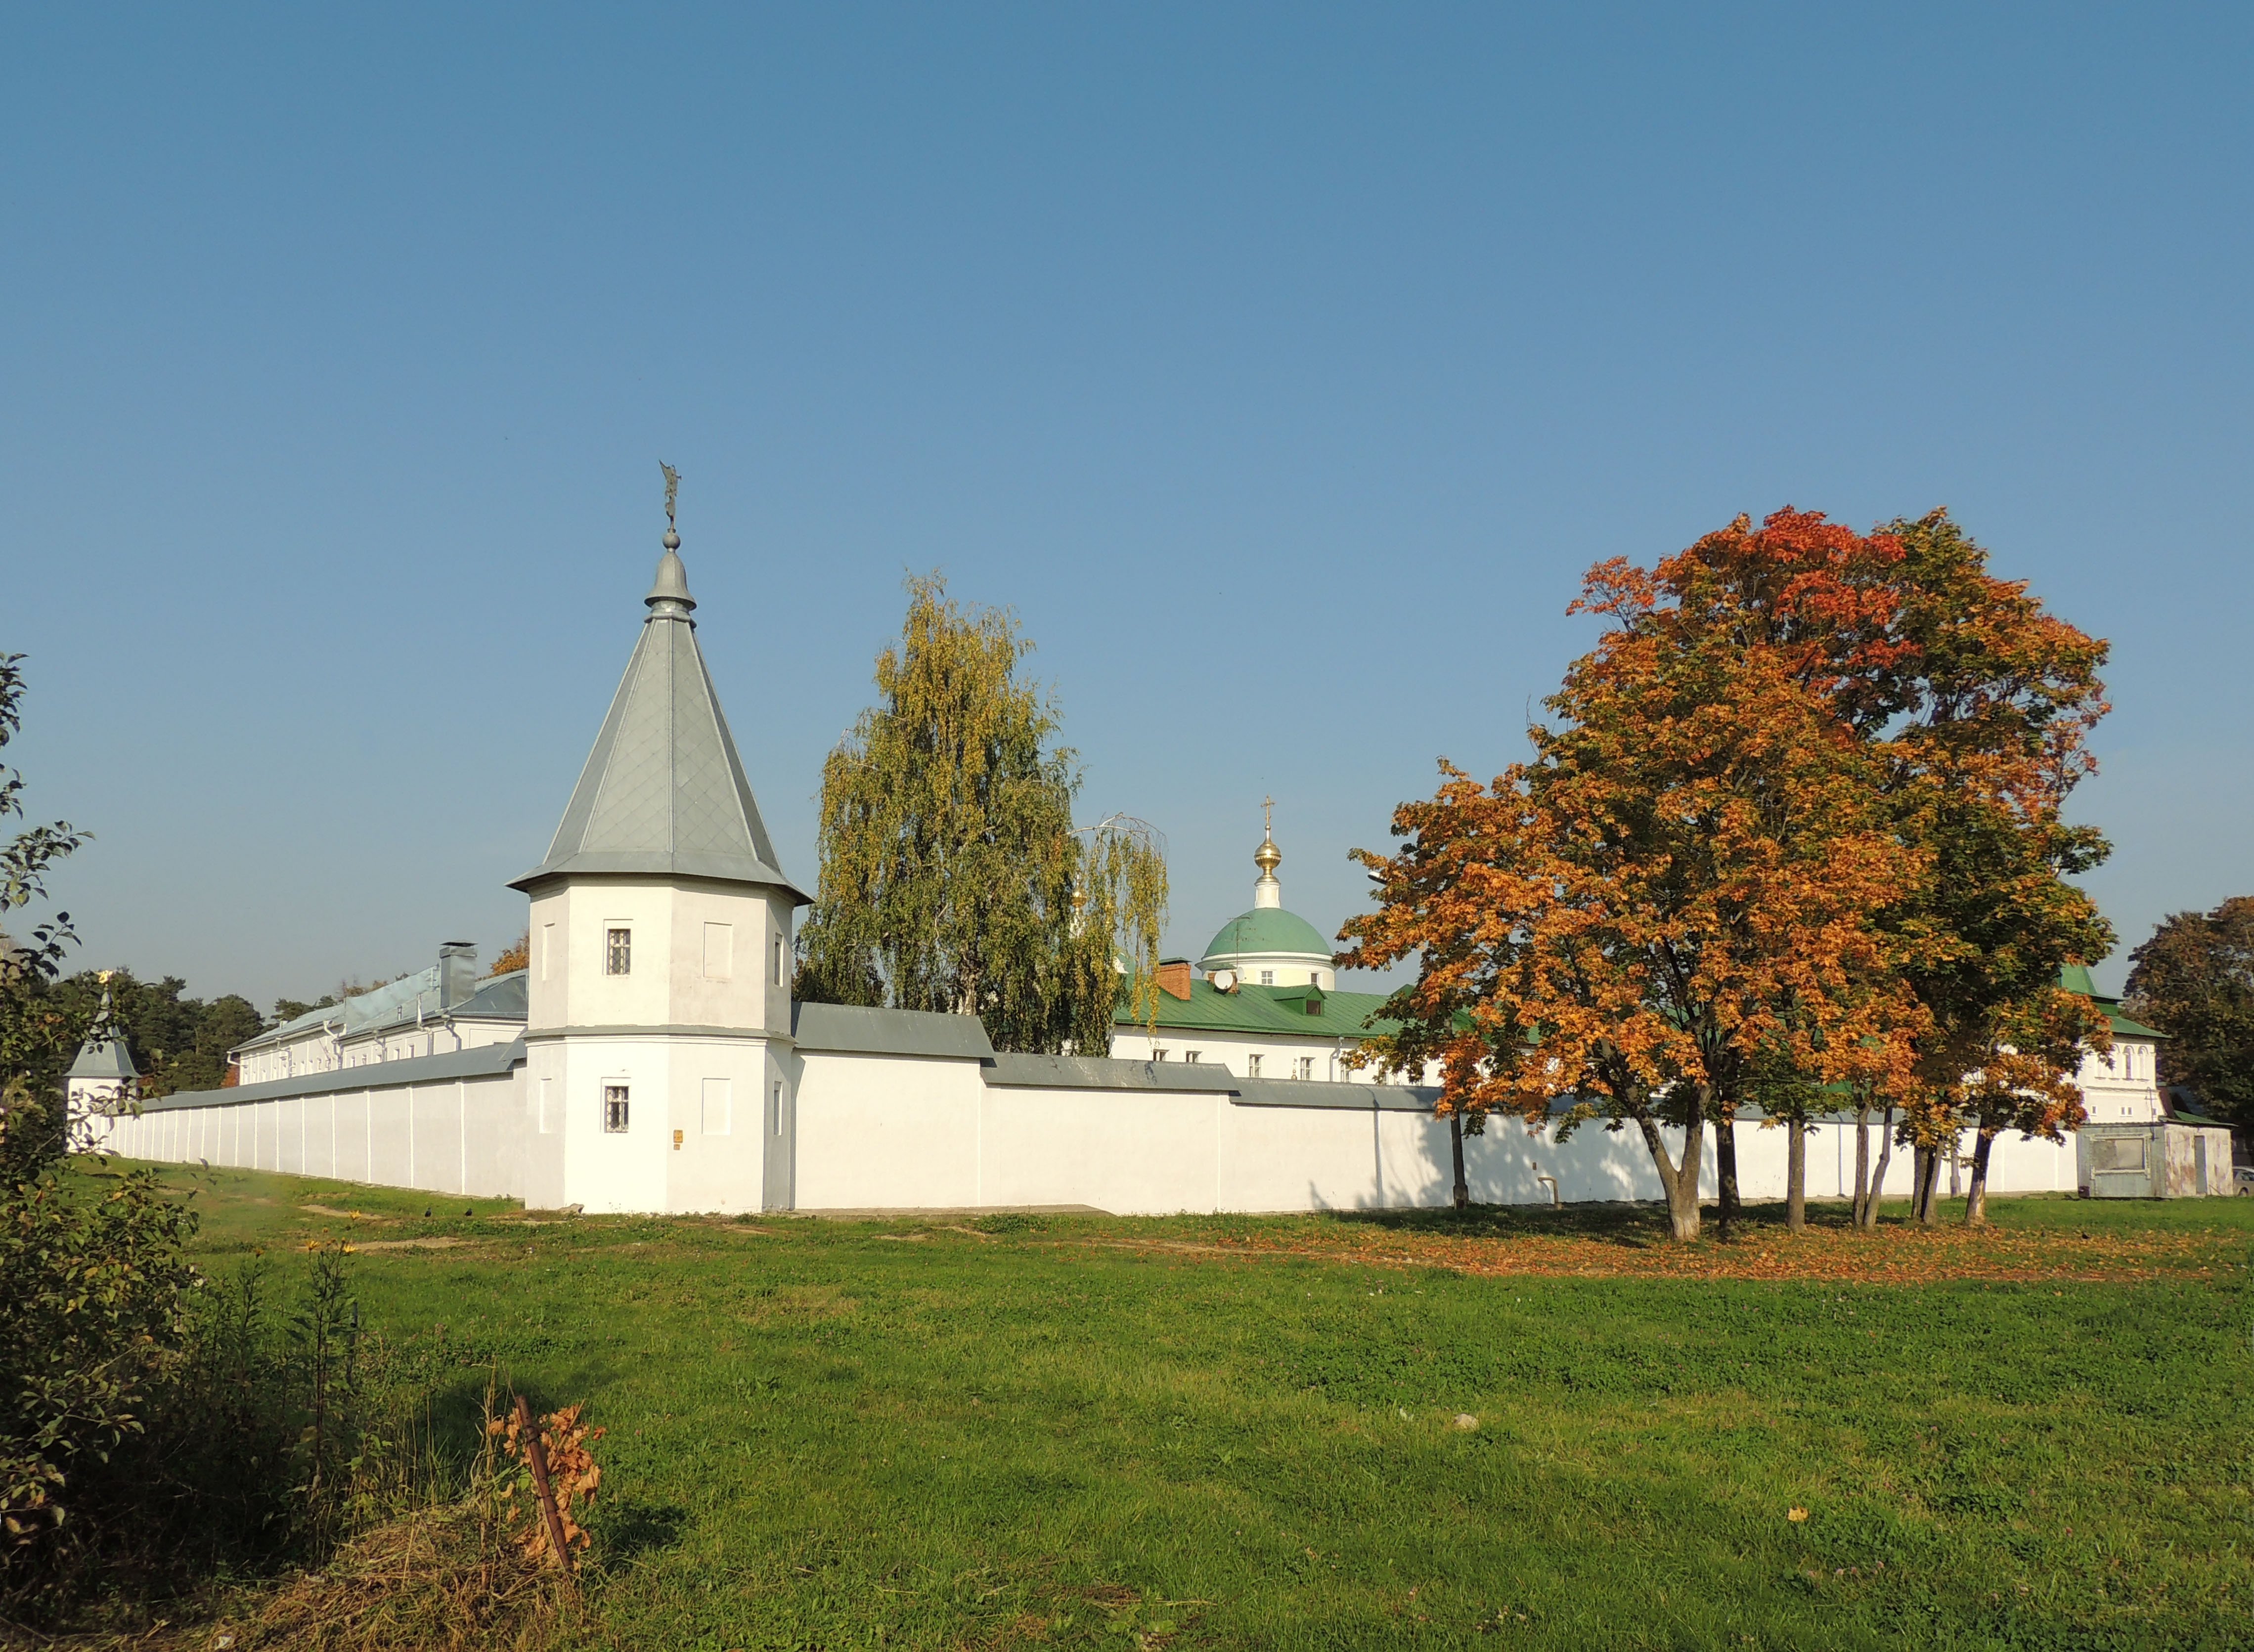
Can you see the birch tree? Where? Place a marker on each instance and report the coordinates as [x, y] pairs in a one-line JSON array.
[[953, 877]]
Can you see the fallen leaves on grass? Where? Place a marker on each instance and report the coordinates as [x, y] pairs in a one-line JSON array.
[[1894, 1254]]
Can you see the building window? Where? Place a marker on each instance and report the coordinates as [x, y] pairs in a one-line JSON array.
[[1305, 1068], [614, 1108], [1157, 1055], [1193, 1056], [1252, 1067], [1314, 977], [778, 1107], [617, 953], [2118, 1152], [775, 967], [1267, 977]]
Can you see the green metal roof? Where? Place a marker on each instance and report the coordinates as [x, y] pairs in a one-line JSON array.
[[2075, 977], [1268, 930], [1300, 1011]]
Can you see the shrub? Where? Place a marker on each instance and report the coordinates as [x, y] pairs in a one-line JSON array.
[[92, 1323]]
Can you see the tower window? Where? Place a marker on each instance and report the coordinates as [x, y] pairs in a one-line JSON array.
[[618, 952], [614, 1108], [1267, 977], [774, 969], [778, 1107]]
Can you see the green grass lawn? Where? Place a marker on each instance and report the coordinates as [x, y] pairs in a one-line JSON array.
[[1241, 1433]]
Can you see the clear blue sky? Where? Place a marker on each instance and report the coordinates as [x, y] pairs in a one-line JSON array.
[[1283, 368]]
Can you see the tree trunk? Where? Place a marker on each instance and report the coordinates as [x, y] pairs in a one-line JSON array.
[[1920, 1157], [1975, 1197], [1862, 1167], [1726, 1173], [1930, 1213], [1456, 1149], [1795, 1177], [1680, 1184], [1879, 1171]]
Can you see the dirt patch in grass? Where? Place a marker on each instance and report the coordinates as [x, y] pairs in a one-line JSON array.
[[435, 1242]]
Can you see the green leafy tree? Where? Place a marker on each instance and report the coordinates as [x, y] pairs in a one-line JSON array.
[[90, 1289], [953, 878], [33, 1028], [2195, 981], [1992, 699]]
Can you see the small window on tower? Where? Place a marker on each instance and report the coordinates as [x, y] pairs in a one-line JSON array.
[[617, 953], [1267, 977], [774, 968], [614, 1108]]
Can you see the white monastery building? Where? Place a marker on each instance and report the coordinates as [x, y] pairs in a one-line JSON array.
[[651, 1057]]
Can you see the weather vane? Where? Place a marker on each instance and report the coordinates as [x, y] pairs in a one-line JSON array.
[[672, 488]]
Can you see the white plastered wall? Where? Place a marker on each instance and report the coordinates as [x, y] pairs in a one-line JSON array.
[[454, 1135], [703, 954]]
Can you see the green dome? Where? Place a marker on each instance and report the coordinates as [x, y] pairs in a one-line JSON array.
[[1266, 929]]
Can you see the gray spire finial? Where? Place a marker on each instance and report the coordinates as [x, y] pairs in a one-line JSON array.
[[670, 594]]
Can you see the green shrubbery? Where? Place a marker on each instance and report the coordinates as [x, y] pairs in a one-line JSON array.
[[93, 1324], [163, 1428]]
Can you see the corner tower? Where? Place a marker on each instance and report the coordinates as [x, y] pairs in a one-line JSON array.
[[658, 1021]]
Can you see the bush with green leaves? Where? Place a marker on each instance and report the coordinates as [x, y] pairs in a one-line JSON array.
[[93, 1324]]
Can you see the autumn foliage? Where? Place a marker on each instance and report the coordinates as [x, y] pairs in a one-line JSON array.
[[573, 1475], [1793, 833]]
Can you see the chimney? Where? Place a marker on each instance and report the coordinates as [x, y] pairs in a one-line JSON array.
[[1174, 977], [458, 972]]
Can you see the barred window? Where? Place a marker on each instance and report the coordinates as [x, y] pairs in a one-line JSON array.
[[614, 1108], [617, 953]]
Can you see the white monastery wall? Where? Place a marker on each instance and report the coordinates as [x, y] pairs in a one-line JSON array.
[[463, 1135], [731, 1124]]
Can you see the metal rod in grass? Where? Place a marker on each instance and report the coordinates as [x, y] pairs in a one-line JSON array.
[[536, 1453]]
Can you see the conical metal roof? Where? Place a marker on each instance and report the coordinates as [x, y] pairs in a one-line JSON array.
[[105, 1057], [664, 790]]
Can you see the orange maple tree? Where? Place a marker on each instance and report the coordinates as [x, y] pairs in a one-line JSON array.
[[1797, 832], [1684, 888]]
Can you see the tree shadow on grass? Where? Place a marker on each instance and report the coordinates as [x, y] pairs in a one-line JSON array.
[[631, 1528], [1632, 1225], [1628, 1225]]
